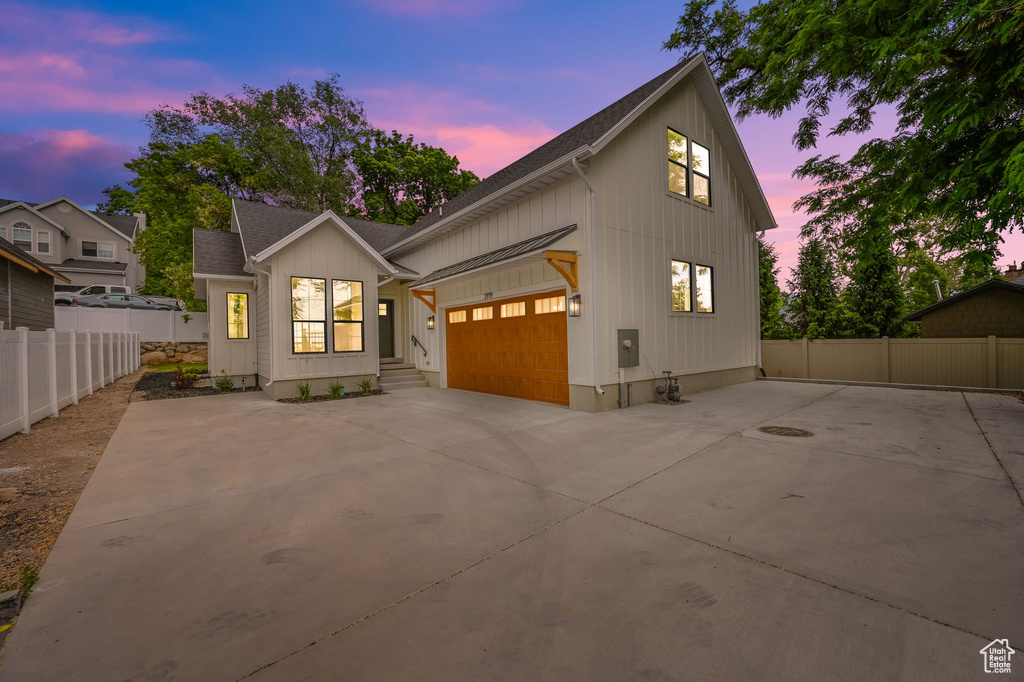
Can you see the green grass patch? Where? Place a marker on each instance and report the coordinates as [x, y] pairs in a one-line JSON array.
[[194, 367]]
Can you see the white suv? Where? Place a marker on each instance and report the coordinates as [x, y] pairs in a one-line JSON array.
[[66, 297]]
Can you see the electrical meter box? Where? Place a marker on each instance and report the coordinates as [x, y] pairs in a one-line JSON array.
[[629, 347]]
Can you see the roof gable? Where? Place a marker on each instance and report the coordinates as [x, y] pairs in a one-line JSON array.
[[18, 255], [14, 205], [95, 216]]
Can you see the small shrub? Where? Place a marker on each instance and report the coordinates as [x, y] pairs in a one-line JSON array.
[[366, 386], [336, 390], [305, 392], [224, 384], [183, 379], [29, 576]]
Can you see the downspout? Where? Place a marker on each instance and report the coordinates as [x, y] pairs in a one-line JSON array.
[[757, 297], [270, 322], [593, 273], [379, 285]]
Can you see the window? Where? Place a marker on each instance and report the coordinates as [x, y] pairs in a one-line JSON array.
[[309, 315], [705, 292], [238, 316], [382, 309], [347, 302], [555, 304], [517, 309], [98, 249], [701, 174], [43, 241], [456, 316], [92, 291], [689, 167], [483, 313], [23, 236], [123, 290], [681, 287], [677, 162], [3, 233]]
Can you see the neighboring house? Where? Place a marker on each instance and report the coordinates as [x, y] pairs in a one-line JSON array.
[[639, 223], [86, 247], [995, 308], [26, 289]]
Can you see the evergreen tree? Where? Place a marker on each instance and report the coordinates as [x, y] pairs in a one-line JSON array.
[[771, 296], [815, 303], [875, 296]]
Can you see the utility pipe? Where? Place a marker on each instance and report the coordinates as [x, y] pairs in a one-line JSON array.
[[593, 274]]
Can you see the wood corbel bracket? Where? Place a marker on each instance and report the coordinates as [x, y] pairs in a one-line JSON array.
[[428, 296], [567, 265]]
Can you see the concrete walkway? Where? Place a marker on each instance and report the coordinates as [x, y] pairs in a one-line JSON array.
[[441, 535]]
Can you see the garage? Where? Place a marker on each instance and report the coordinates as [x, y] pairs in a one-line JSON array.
[[516, 347]]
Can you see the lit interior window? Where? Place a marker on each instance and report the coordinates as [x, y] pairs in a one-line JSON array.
[[517, 309], [238, 316], [681, 286], [483, 313], [555, 304], [457, 316], [705, 293]]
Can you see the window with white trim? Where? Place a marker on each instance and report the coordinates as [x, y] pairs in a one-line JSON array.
[[43, 241], [97, 250], [22, 236]]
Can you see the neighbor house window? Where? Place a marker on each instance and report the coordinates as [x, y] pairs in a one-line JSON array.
[[678, 162], [483, 313], [705, 289], [3, 233], [43, 241], [517, 309], [98, 249], [456, 316], [23, 236], [689, 168], [555, 304], [238, 316], [681, 282], [347, 303], [309, 315]]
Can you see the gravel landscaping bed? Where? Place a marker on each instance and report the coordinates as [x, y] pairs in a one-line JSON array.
[[157, 386]]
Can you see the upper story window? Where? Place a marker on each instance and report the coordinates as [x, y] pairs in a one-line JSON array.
[[43, 241], [705, 289], [693, 287], [98, 249], [689, 168], [3, 233], [22, 234]]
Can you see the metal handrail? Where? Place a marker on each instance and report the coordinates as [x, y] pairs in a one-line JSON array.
[[416, 342]]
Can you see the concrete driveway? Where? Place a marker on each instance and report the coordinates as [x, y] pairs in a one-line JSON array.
[[441, 535]]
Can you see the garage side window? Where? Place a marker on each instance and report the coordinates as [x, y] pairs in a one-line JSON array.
[[347, 302], [681, 287], [238, 316], [705, 286], [309, 313]]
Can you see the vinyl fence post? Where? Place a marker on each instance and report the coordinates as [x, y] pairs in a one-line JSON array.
[[807, 358], [102, 355], [993, 363], [138, 350], [23, 377], [88, 361], [884, 360], [51, 348], [74, 366], [110, 358]]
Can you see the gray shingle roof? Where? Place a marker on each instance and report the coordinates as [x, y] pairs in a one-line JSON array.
[[506, 253], [263, 225], [581, 134], [125, 224], [19, 253], [216, 252], [75, 264]]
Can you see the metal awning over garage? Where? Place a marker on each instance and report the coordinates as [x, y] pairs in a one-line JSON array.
[[533, 247]]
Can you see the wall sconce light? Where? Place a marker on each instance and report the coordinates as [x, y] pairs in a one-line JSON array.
[[430, 322], [574, 305]]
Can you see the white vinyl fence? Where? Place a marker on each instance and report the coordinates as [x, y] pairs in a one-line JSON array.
[[41, 372], [152, 325]]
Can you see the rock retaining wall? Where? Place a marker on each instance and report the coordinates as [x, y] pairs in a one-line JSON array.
[[155, 353]]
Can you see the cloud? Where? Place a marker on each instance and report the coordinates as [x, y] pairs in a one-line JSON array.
[[37, 165], [484, 136], [68, 27]]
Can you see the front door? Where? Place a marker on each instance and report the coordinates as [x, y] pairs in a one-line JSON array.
[[386, 323]]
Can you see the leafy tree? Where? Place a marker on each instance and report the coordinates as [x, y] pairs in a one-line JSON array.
[[771, 296], [921, 270], [875, 297], [953, 70], [402, 180], [815, 305]]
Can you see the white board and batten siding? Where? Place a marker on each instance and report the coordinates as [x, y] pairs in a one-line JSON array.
[[261, 319], [230, 357], [553, 207], [323, 253], [641, 226]]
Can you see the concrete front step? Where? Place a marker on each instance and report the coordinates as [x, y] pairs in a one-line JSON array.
[[387, 372], [396, 385], [391, 361]]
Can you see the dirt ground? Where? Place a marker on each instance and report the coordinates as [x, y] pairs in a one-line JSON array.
[[42, 473]]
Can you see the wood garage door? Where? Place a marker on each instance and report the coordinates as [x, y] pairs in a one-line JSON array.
[[516, 347]]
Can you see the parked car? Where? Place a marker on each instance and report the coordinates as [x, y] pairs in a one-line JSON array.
[[66, 297], [175, 303], [133, 301]]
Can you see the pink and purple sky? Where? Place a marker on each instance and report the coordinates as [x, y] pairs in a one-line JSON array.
[[488, 80]]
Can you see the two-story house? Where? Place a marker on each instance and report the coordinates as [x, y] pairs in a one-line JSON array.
[[86, 247], [621, 249]]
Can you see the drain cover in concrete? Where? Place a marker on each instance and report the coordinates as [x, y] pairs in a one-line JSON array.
[[785, 431]]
